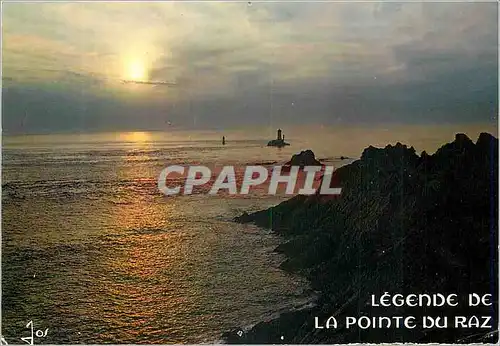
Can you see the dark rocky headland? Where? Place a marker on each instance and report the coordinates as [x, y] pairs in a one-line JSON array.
[[405, 224]]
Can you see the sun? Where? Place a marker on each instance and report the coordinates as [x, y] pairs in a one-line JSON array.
[[137, 71]]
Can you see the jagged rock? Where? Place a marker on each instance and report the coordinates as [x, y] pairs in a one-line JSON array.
[[304, 158], [404, 224], [486, 143], [485, 140]]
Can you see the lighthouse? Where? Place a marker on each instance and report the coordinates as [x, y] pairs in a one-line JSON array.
[[279, 141]]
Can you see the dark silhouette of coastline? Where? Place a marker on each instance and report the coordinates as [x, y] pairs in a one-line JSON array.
[[404, 224]]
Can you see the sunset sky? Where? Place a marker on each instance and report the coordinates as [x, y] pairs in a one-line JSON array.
[[130, 66]]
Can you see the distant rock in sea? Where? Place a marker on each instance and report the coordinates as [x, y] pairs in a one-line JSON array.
[[277, 143], [264, 163], [404, 224]]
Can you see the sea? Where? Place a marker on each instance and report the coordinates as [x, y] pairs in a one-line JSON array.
[[94, 253]]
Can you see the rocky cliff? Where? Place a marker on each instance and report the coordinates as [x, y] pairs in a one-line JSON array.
[[404, 224]]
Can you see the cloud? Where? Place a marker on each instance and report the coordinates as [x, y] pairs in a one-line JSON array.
[[238, 62]]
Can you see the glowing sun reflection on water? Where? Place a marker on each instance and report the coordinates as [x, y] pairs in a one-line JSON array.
[[135, 137]]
